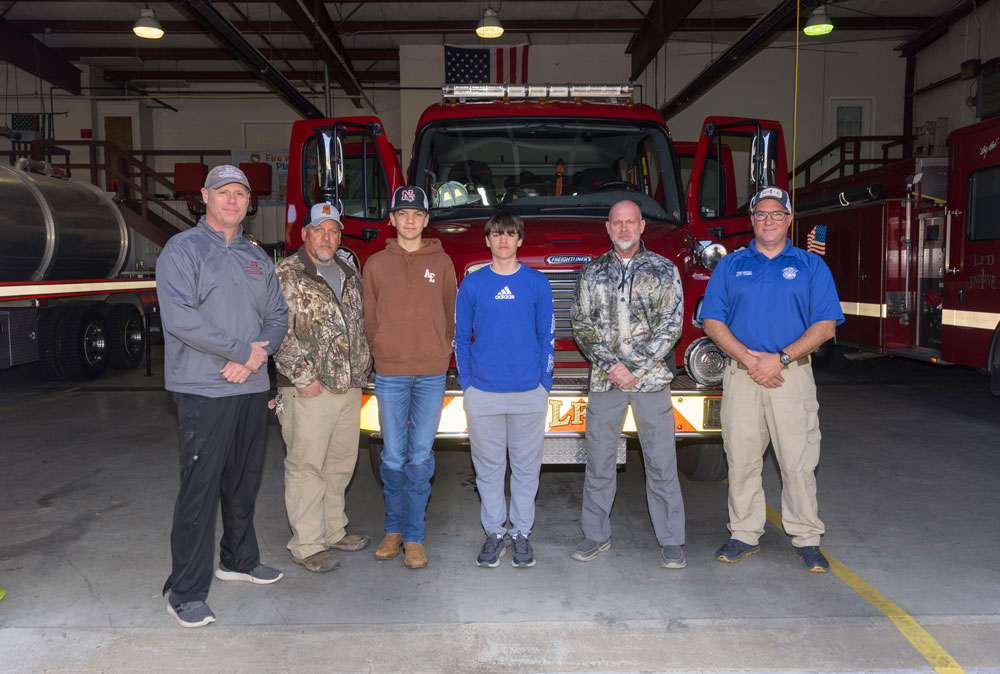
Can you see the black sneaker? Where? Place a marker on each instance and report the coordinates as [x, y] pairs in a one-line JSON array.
[[260, 575], [733, 551], [812, 558], [190, 613], [492, 551], [586, 550], [522, 556]]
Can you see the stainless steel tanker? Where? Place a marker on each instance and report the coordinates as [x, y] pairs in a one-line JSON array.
[[63, 244], [52, 229]]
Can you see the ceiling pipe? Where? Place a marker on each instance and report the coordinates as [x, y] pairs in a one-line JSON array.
[[755, 39], [219, 27]]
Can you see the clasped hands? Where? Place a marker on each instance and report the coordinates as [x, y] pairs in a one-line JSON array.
[[766, 370], [237, 373], [621, 377]]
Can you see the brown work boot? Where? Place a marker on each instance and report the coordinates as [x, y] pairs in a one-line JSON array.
[[389, 547], [320, 562], [416, 557], [351, 543]]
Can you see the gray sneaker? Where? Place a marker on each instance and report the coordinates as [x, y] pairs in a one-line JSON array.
[[587, 549], [672, 557], [493, 550], [261, 575], [522, 556], [190, 613]]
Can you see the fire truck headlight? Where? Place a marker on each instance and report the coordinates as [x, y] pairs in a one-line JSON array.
[[711, 254], [705, 362]]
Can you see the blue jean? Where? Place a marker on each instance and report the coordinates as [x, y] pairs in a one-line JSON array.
[[409, 410]]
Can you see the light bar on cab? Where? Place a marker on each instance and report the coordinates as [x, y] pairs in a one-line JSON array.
[[539, 91]]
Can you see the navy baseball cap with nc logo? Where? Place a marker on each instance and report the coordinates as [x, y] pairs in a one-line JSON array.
[[409, 197]]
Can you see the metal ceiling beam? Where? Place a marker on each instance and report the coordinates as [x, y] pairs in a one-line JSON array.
[[212, 54], [61, 26], [213, 23], [125, 76], [938, 27], [755, 39], [25, 52], [318, 28], [662, 20]]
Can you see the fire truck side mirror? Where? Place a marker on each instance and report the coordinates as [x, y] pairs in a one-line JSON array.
[[329, 164]]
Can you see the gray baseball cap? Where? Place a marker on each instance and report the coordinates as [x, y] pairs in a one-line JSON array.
[[225, 174], [323, 211]]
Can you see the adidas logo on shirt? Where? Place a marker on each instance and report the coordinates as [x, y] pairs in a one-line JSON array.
[[504, 294]]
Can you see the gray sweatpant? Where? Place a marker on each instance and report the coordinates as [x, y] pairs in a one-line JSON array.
[[654, 419], [499, 422]]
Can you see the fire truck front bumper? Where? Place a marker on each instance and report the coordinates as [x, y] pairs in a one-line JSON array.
[[697, 414]]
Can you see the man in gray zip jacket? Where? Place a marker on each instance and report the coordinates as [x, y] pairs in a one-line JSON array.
[[223, 314]]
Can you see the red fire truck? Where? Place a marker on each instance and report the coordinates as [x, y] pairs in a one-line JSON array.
[[63, 300], [559, 157], [915, 250]]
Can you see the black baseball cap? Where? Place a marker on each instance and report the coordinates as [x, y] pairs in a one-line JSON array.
[[409, 197]]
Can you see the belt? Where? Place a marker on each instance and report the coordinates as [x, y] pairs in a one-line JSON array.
[[804, 360]]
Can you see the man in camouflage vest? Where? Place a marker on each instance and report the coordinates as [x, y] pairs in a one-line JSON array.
[[322, 365], [626, 319]]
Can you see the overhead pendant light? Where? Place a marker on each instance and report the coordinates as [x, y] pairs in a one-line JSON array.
[[490, 26], [819, 23], [147, 26]]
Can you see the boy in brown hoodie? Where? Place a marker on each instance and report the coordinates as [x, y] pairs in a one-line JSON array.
[[409, 296]]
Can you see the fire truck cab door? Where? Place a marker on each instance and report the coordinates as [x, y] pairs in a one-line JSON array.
[[735, 158], [350, 162], [971, 303]]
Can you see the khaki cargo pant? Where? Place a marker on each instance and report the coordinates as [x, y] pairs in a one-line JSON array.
[[788, 418], [321, 437]]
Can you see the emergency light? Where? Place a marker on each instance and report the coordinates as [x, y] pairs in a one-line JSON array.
[[536, 91]]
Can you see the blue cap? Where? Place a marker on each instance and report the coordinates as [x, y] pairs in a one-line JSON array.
[[776, 193]]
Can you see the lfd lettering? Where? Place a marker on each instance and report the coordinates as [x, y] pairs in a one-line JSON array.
[[574, 417], [982, 260]]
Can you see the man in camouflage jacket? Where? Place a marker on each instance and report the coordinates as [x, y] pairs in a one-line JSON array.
[[322, 365], [626, 317]]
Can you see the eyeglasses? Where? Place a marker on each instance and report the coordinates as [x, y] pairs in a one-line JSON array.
[[777, 216]]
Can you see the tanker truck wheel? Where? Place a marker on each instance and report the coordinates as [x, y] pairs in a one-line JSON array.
[[48, 343], [126, 336], [83, 343], [703, 461]]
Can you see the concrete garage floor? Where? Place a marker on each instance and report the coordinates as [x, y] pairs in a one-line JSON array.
[[908, 491]]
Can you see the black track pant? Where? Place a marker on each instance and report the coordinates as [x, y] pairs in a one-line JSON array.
[[222, 444]]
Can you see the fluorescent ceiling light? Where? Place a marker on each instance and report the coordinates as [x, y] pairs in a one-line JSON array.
[[147, 26], [819, 23], [490, 26]]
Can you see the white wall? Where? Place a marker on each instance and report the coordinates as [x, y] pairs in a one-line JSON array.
[[764, 87], [975, 36]]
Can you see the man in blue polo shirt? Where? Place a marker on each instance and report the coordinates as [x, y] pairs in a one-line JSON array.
[[768, 307]]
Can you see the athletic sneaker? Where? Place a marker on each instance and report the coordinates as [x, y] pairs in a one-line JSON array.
[[191, 613], [672, 557], [492, 551], [733, 551], [587, 549], [812, 558], [521, 554], [261, 575]]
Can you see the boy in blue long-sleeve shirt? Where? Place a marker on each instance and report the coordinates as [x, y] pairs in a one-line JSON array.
[[504, 332]]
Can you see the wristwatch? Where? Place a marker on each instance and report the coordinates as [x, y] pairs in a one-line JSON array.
[[784, 358]]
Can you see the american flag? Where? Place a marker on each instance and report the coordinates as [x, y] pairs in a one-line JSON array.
[[29, 126], [482, 66], [816, 241]]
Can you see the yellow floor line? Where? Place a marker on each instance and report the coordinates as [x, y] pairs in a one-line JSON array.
[[928, 646], [41, 397]]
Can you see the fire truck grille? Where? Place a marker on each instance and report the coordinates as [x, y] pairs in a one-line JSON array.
[[563, 284]]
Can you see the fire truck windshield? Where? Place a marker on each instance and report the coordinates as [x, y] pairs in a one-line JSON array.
[[534, 165]]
